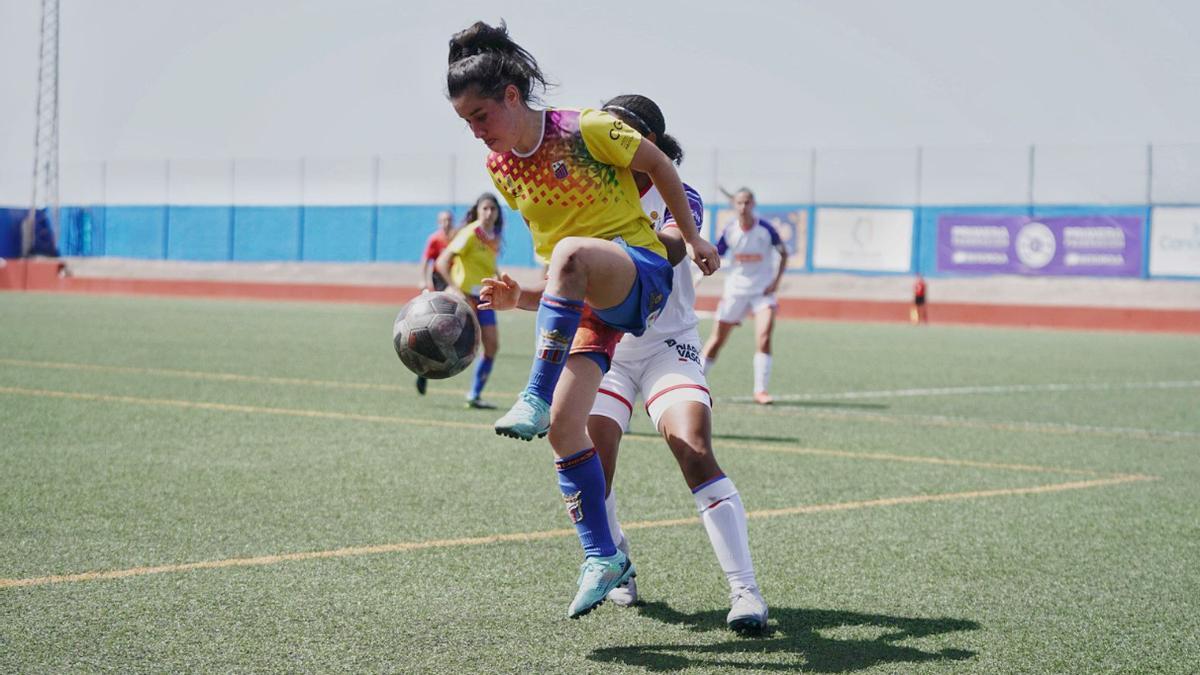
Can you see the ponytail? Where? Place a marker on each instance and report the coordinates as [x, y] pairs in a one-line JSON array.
[[485, 58]]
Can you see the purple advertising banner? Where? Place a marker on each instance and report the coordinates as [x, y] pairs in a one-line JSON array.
[[1107, 246]]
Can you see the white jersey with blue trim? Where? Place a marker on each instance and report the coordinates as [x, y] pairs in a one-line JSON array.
[[679, 314], [750, 255]]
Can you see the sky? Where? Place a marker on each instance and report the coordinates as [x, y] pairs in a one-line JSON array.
[[195, 79]]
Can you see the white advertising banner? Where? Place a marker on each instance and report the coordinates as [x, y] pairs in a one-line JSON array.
[[870, 240], [1175, 242]]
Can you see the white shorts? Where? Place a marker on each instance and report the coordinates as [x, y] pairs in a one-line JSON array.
[[663, 378], [734, 308]]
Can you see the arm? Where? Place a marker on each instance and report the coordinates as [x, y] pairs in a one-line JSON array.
[[442, 265], [650, 160], [783, 258], [672, 238]]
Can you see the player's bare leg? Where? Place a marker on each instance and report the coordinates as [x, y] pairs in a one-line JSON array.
[[764, 327], [716, 341]]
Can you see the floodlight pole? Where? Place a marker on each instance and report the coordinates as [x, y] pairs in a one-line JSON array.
[[45, 139]]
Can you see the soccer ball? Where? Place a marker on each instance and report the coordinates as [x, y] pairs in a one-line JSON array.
[[436, 335]]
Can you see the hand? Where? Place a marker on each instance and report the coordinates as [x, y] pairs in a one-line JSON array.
[[704, 255], [499, 294]]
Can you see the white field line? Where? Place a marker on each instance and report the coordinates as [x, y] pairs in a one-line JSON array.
[[980, 389], [994, 425], [935, 420], [353, 551], [410, 421]]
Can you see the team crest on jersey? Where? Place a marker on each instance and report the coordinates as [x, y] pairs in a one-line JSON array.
[[552, 346], [654, 215], [560, 169], [574, 507]]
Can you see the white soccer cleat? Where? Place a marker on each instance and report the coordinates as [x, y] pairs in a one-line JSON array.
[[625, 595], [748, 612]]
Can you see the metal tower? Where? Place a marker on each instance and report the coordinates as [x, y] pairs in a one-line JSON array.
[[45, 141]]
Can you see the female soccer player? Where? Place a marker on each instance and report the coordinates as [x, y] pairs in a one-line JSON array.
[[569, 173], [466, 262], [750, 286], [663, 367], [431, 280]]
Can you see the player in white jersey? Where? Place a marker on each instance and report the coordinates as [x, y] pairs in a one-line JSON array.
[[756, 259], [663, 367]]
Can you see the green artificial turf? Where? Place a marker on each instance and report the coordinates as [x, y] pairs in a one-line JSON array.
[[933, 499]]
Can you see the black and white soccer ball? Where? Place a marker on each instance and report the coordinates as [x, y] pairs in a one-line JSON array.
[[436, 335]]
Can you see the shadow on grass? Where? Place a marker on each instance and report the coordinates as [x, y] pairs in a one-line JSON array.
[[865, 641]]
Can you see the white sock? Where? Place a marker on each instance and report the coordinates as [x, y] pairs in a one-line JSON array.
[[724, 519], [618, 535], [762, 371]]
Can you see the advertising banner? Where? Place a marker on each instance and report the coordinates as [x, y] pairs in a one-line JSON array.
[[1109, 246], [870, 240], [1175, 242]]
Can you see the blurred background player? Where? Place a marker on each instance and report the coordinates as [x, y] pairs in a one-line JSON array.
[[466, 262], [569, 173], [431, 280], [663, 367], [917, 315], [757, 260]]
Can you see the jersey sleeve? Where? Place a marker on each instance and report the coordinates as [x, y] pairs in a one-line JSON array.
[[695, 205], [431, 248], [461, 240], [608, 139], [776, 240]]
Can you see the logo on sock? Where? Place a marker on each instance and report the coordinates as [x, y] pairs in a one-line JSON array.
[[552, 346], [574, 504]]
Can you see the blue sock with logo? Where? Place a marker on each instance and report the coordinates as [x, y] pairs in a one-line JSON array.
[[482, 369], [581, 479], [557, 321]]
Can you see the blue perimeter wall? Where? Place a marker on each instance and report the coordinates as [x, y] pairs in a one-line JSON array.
[[390, 233]]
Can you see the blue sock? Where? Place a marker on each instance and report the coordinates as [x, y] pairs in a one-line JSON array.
[[581, 479], [557, 321], [482, 369]]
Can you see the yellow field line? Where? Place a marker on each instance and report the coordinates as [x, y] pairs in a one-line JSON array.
[[387, 419], [230, 407], [259, 561], [952, 423], [202, 375]]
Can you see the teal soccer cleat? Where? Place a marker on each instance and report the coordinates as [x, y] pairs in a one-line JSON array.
[[597, 577], [529, 417]]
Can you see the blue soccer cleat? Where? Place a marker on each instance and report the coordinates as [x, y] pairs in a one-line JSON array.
[[529, 417], [597, 577]]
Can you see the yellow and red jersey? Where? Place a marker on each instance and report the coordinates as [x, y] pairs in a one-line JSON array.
[[474, 260], [577, 182]]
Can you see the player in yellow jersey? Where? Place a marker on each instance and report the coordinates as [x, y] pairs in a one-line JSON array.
[[466, 261], [569, 173]]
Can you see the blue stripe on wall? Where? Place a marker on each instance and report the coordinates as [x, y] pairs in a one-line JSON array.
[[199, 233], [338, 233], [263, 233], [135, 231]]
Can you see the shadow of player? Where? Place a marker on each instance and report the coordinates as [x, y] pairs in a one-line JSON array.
[[795, 634]]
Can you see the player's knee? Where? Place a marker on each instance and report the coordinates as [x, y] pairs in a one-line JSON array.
[[567, 258]]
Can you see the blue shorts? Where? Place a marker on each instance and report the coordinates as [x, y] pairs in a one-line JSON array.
[[648, 295], [487, 317]]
